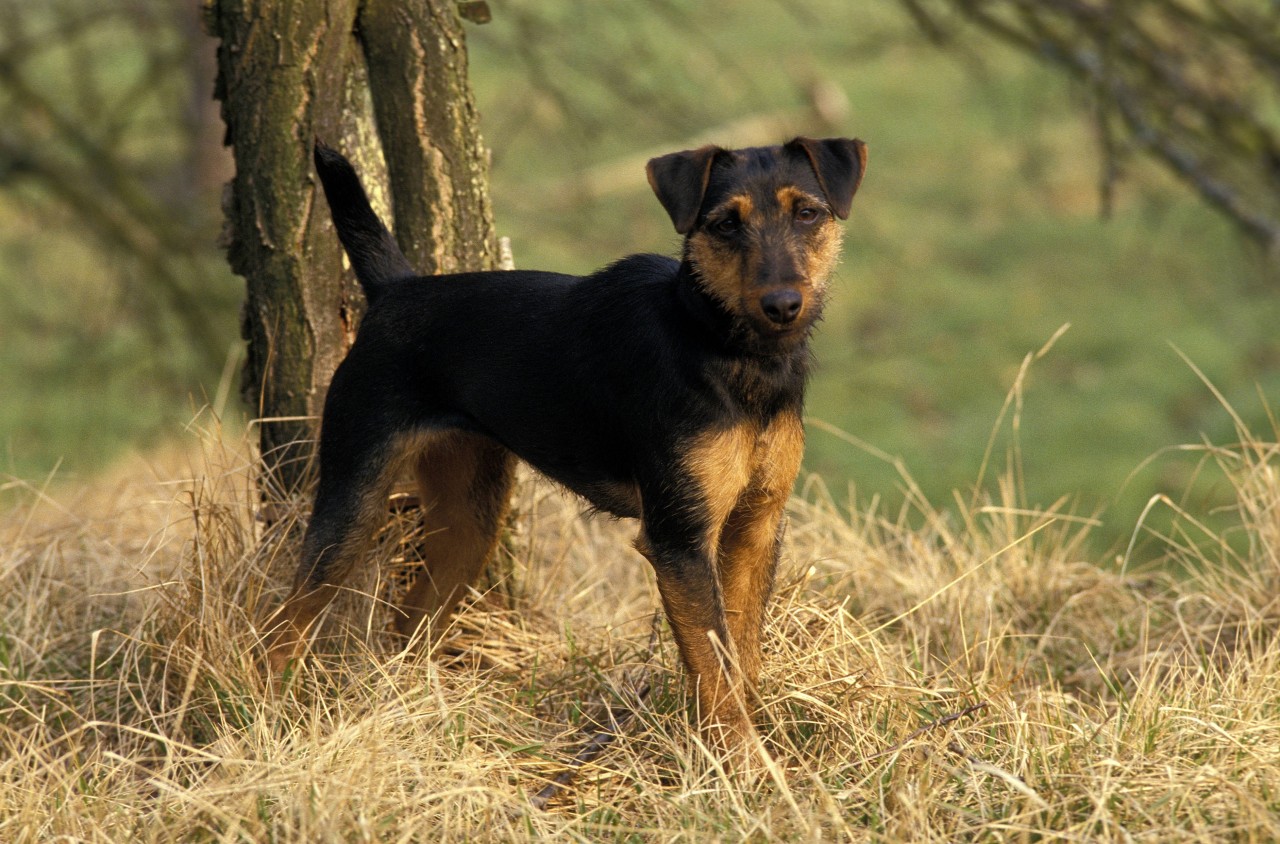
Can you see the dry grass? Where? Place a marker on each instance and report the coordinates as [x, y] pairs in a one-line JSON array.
[[974, 678]]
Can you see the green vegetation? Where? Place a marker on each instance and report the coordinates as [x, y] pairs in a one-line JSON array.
[[975, 239], [119, 308], [85, 376]]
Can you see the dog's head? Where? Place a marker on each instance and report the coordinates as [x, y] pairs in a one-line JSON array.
[[760, 224]]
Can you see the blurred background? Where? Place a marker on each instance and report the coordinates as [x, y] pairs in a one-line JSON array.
[[1029, 170]]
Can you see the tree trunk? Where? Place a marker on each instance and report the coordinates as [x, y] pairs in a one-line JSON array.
[[288, 70], [294, 70], [417, 61]]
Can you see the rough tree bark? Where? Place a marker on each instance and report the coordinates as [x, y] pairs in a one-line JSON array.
[[364, 77]]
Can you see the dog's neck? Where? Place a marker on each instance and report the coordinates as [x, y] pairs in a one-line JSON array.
[[760, 373]]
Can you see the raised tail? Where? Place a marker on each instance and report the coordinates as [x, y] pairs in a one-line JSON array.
[[375, 255]]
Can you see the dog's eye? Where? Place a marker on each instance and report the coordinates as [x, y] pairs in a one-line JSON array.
[[727, 226], [808, 216]]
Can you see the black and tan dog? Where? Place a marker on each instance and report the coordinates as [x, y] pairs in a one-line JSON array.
[[662, 390]]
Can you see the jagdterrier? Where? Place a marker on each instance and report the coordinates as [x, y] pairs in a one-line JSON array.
[[664, 390]]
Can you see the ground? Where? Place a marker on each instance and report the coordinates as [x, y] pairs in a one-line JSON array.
[[974, 678]]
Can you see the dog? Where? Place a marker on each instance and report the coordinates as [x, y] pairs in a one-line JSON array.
[[668, 391]]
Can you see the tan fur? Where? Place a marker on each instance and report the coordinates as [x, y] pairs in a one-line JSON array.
[[464, 482], [718, 686], [730, 271], [743, 204], [789, 196], [719, 268], [721, 265], [821, 248], [290, 625], [823, 254], [720, 463], [746, 558], [745, 476]]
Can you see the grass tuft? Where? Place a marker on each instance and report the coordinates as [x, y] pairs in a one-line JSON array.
[[928, 676]]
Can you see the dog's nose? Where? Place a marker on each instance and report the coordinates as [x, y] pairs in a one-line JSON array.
[[782, 306]]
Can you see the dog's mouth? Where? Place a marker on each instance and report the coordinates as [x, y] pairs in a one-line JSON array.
[[772, 335]]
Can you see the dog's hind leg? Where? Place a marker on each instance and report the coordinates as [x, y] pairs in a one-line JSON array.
[[356, 471], [465, 484]]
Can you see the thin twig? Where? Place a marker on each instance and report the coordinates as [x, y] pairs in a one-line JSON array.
[[597, 744], [620, 719], [932, 725]]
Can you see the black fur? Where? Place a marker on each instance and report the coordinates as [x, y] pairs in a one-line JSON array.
[[635, 368], [375, 256], [614, 384]]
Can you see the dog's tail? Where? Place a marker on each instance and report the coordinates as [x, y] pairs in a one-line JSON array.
[[375, 255]]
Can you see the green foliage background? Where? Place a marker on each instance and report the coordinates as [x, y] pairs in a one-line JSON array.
[[976, 237]]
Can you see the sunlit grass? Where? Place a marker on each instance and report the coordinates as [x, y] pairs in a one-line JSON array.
[[928, 676]]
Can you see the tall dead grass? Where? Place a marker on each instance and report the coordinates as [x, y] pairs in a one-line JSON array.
[[928, 676]]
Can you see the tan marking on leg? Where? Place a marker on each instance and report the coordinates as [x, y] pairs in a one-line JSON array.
[[355, 524], [747, 556], [465, 484], [720, 463], [695, 616], [289, 625]]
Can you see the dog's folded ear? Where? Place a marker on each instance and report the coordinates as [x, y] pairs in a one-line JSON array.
[[680, 181], [839, 164]]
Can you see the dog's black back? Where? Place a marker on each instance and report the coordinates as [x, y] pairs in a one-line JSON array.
[[653, 360]]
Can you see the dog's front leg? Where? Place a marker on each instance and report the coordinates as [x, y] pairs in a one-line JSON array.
[[687, 498], [752, 536], [695, 610], [747, 563]]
